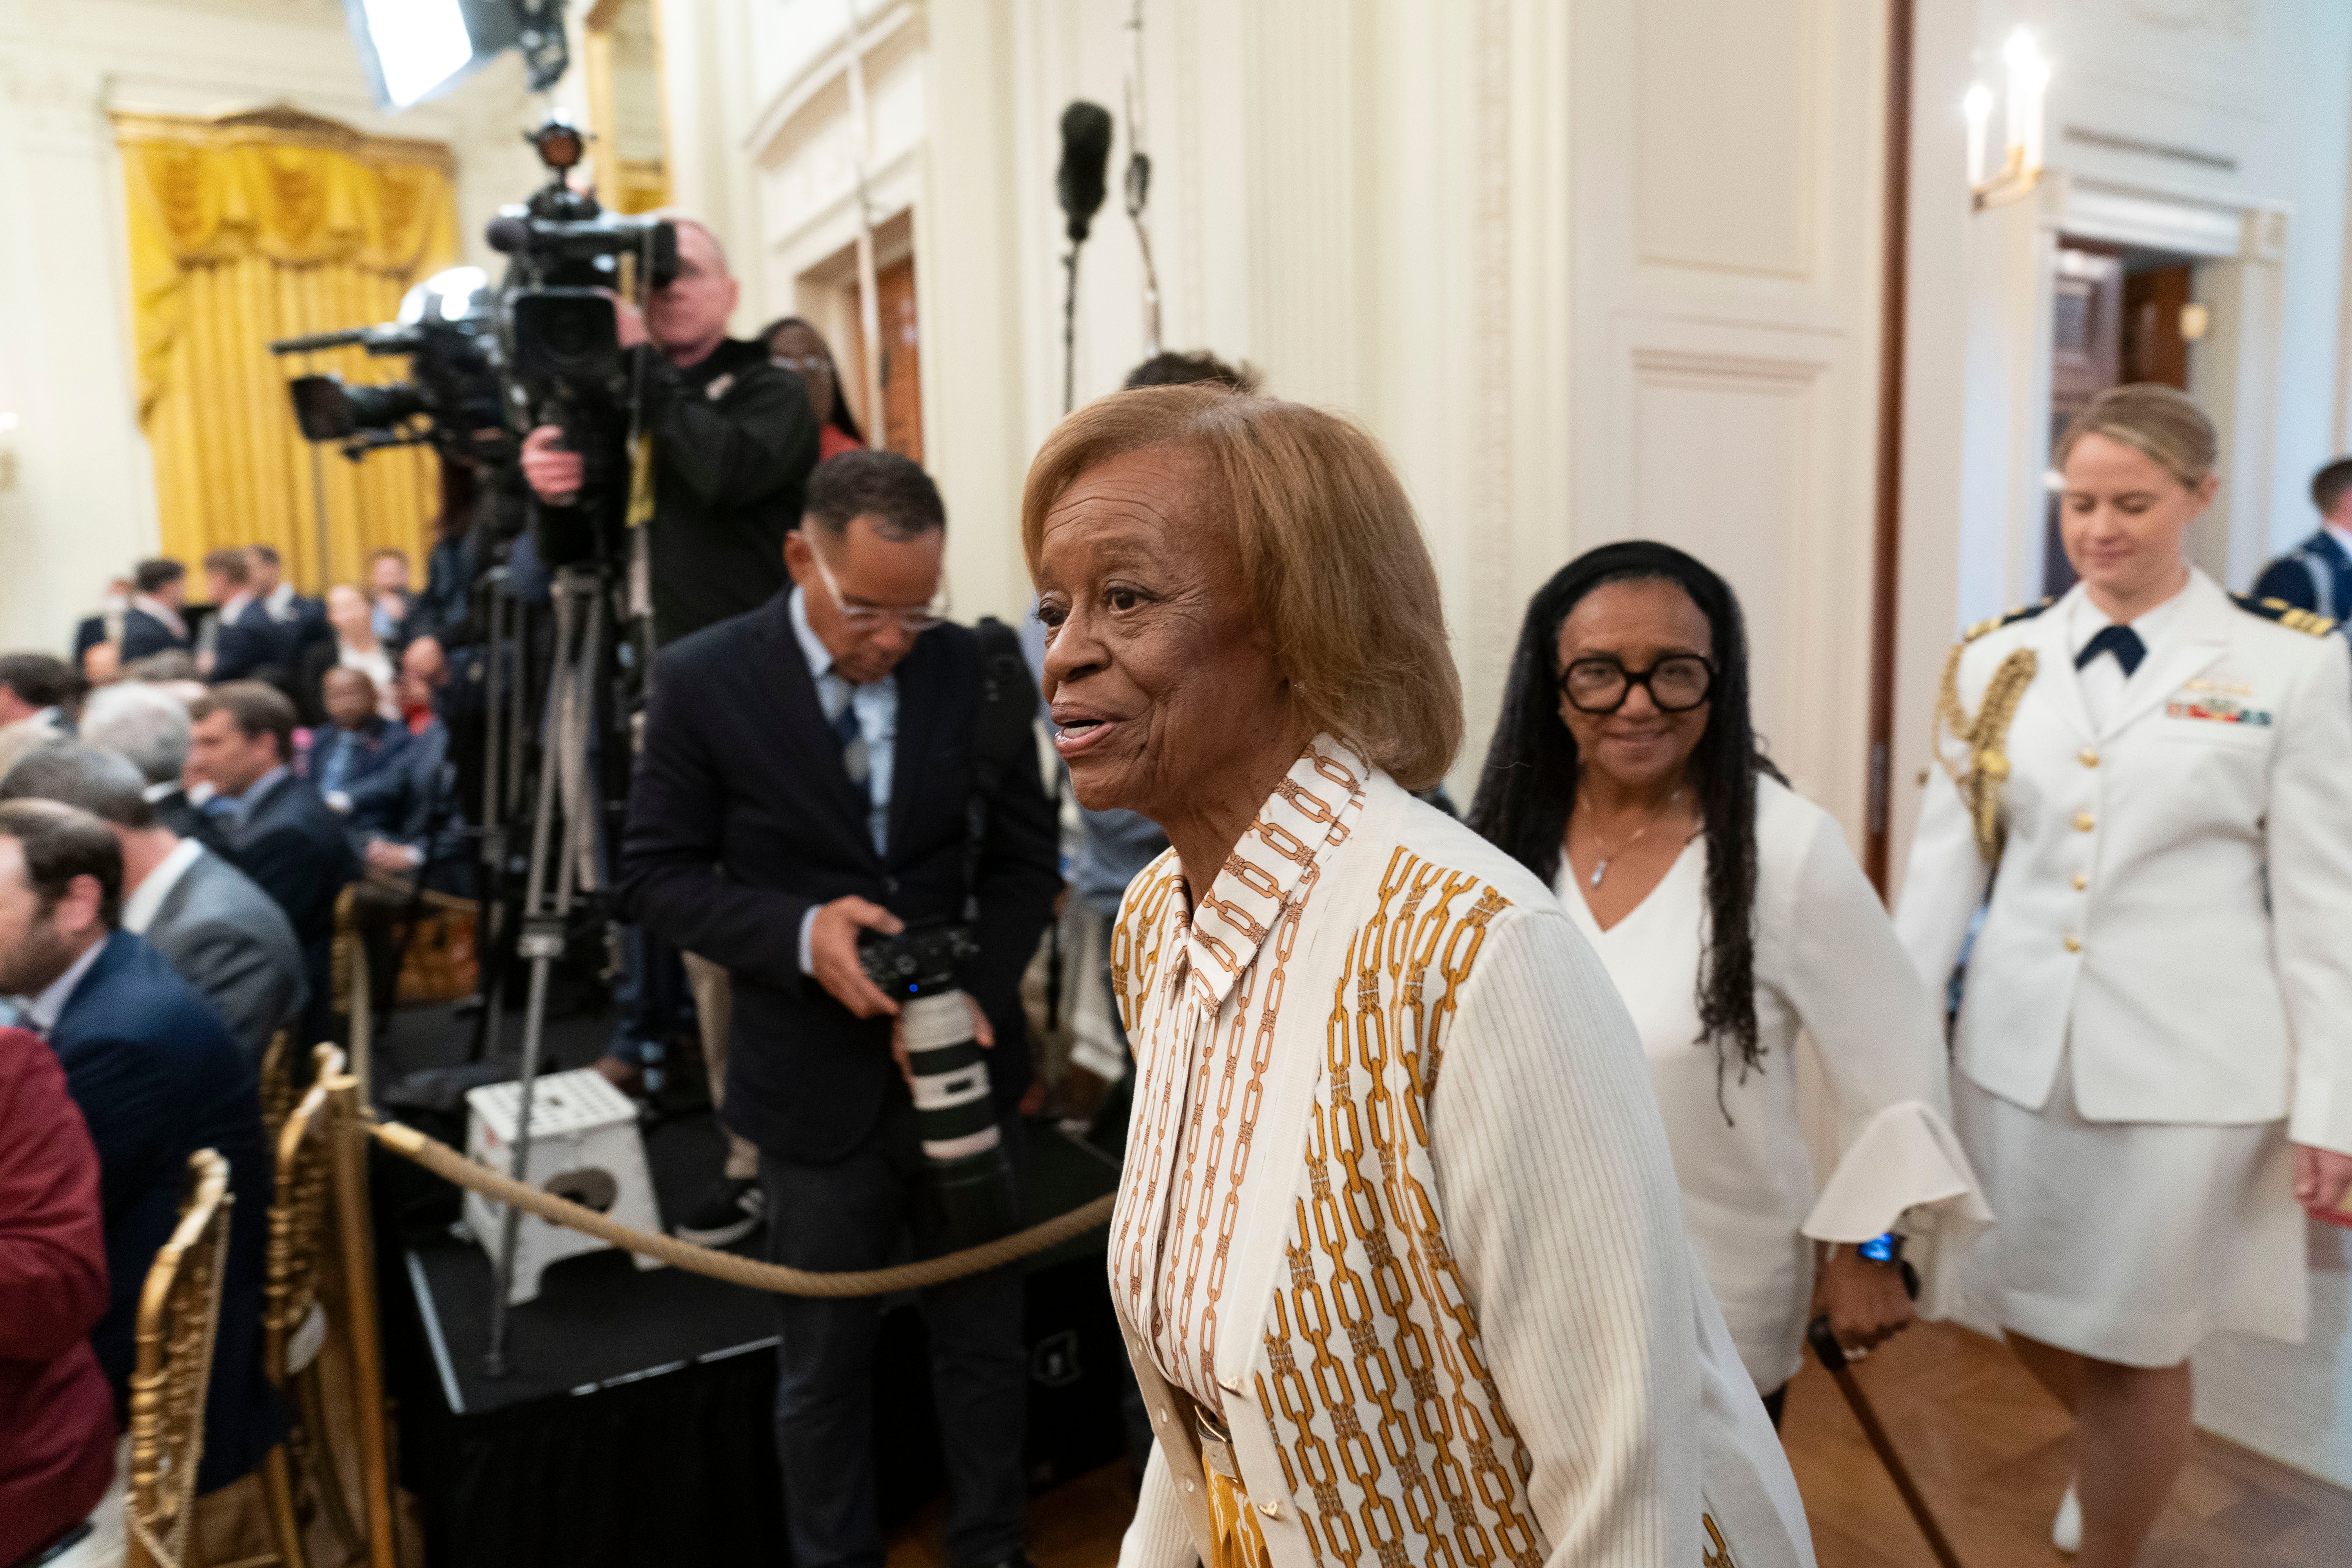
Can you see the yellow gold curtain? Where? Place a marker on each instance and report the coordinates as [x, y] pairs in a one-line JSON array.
[[241, 233]]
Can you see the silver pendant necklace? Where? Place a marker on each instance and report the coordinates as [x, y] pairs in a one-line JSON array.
[[1600, 866]]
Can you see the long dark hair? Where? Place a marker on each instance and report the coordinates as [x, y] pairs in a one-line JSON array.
[[841, 419], [1528, 785]]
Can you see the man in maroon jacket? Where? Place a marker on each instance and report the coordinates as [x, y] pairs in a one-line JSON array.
[[56, 1417]]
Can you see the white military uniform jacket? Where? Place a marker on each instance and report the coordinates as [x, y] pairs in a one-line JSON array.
[[1428, 1208], [2175, 896]]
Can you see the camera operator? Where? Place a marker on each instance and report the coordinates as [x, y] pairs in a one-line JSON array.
[[808, 774], [733, 442]]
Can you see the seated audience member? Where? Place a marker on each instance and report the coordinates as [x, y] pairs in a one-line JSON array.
[[222, 933], [35, 688], [2317, 575], [57, 1418], [156, 1077], [797, 346], [358, 742], [152, 622], [353, 646], [408, 813], [280, 833], [389, 593], [149, 726], [102, 664]]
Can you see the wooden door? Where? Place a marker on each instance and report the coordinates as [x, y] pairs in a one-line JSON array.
[[2154, 346], [902, 363]]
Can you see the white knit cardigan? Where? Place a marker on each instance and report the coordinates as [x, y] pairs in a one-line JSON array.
[[1461, 1322]]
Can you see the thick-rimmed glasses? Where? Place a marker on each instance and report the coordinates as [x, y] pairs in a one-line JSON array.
[[1678, 683], [873, 617]]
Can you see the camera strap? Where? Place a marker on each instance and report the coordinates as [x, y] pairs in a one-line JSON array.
[[1001, 725]]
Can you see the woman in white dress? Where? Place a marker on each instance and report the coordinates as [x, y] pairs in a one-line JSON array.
[[1624, 772], [2155, 1041]]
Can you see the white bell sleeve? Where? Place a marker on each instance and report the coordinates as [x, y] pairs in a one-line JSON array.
[[1879, 1038], [2309, 859], [1559, 1204]]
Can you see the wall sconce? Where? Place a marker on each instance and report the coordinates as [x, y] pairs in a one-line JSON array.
[[2027, 80]]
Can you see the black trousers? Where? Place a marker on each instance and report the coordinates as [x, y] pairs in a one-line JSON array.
[[861, 1212]]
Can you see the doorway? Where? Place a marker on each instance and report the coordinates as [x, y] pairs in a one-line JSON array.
[[902, 363], [2119, 314]]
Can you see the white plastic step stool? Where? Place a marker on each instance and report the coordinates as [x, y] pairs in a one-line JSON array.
[[584, 1146]]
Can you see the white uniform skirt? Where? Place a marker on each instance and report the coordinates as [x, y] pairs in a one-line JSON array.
[[2127, 1241]]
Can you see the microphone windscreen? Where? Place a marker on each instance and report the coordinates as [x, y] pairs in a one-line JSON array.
[[1086, 162]]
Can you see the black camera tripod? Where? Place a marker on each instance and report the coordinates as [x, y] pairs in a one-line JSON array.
[[566, 860]]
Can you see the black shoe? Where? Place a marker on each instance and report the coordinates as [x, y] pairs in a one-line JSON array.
[[731, 1210]]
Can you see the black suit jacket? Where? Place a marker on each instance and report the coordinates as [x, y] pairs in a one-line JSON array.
[[742, 818], [157, 1078], [298, 851], [185, 818], [144, 635]]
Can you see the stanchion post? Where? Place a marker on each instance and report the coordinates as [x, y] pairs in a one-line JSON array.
[[349, 1152]]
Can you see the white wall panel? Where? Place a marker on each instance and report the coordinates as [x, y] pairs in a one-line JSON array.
[[1724, 98]]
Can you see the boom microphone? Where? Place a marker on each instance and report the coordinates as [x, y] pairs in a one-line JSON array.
[[1085, 162]]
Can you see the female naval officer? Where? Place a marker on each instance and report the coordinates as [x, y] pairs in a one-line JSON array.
[[2154, 1039]]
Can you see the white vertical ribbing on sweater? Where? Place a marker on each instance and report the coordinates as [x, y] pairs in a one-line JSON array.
[[1561, 1205], [1554, 1192]]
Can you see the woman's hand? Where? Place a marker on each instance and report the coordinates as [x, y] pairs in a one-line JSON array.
[[1866, 1302], [2321, 1176]]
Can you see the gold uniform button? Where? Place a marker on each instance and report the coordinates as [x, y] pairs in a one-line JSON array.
[[1271, 1509], [2073, 944], [2090, 758], [2081, 881], [2081, 822]]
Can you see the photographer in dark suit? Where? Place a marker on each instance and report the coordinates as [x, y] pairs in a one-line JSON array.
[[732, 441], [807, 776]]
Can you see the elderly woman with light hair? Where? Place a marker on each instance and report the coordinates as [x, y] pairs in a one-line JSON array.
[[1398, 1250]]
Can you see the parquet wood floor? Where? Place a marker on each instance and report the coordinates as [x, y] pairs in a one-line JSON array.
[[1988, 1448]]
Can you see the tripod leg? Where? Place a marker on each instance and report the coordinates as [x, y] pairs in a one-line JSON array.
[[542, 935]]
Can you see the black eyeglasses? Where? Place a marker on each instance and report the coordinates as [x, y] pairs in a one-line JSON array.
[[1676, 683]]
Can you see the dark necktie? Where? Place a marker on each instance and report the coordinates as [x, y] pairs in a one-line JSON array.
[[2121, 641], [853, 739]]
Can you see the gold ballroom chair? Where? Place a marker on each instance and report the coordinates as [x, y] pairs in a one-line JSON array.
[[179, 1313], [320, 1200]]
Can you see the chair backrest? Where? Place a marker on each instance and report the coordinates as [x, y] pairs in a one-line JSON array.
[[179, 1313], [353, 990], [277, 1083], [298, 1217]]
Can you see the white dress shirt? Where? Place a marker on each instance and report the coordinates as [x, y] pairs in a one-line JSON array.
[[876, 704], [2103, 680], [43, 1011], [139, 910], [376, 665], [279, 604]]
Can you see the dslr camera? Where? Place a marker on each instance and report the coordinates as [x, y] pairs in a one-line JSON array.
[[970, 1173]]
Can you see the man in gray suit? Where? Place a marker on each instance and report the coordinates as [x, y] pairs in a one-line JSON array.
[[226, 938]]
